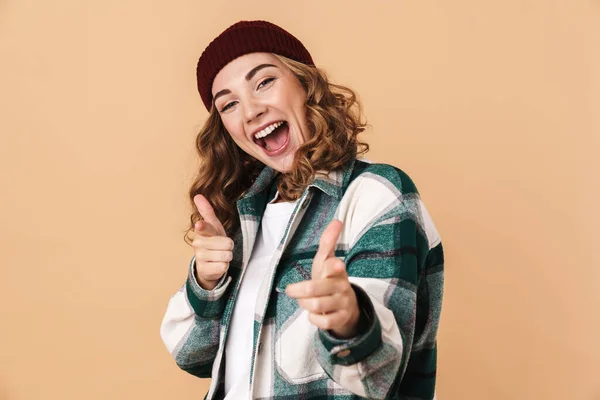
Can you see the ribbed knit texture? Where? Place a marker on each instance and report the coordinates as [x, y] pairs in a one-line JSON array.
[[242, 38]]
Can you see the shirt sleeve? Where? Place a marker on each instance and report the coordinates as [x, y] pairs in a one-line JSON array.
[[190, 328], [396, 267]]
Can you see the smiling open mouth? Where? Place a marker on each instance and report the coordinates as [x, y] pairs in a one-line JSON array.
[[273, 137]]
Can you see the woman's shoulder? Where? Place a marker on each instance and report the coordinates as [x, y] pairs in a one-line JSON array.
[[369, 175], [382, 193]]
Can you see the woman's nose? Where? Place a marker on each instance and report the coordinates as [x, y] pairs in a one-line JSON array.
[[254, 109]]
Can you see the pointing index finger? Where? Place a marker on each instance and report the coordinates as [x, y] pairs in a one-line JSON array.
[[208, 213], [326, 249]]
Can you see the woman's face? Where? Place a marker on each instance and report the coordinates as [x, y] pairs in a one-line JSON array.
[[262, 106]]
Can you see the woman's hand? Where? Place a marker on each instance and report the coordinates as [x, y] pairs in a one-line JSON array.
[[328, 296], [214, 250]]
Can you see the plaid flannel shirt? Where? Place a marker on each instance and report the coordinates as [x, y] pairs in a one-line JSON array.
[[394, 258]]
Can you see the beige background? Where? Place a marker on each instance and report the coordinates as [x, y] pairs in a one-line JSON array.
[[493, 107]]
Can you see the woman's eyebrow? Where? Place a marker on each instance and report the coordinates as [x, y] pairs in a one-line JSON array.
[[249, 76], [221, 93], [254, 70]]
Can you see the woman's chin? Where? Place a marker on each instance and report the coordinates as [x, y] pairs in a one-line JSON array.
[[284, 165]]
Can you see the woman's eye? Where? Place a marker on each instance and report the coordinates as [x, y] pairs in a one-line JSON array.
[[227, 106], [265, 82]]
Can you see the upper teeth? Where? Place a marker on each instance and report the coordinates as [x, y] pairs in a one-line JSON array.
[[268, 130]]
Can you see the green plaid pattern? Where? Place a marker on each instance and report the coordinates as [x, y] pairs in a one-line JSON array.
[[394, 259]]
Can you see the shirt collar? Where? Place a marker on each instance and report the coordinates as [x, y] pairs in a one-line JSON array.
[[335, 182], [332, 183]]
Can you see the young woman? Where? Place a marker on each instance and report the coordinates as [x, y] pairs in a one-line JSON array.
[[316, 274]]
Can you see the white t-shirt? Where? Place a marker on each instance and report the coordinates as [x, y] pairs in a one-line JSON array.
[[238, 349]]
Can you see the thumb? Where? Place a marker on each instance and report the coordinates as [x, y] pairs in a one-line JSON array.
[[208, 213], [326, 250]]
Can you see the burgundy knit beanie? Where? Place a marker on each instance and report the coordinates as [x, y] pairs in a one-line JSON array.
[[242, 38]]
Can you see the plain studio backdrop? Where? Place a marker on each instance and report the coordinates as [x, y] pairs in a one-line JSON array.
[[492, 107]]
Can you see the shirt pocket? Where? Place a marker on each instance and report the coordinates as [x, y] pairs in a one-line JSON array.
[[295, 356]]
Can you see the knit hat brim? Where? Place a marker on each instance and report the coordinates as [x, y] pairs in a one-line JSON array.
[[242, 38]]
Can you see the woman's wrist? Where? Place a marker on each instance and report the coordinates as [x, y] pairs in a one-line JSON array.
[[206, 285]]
